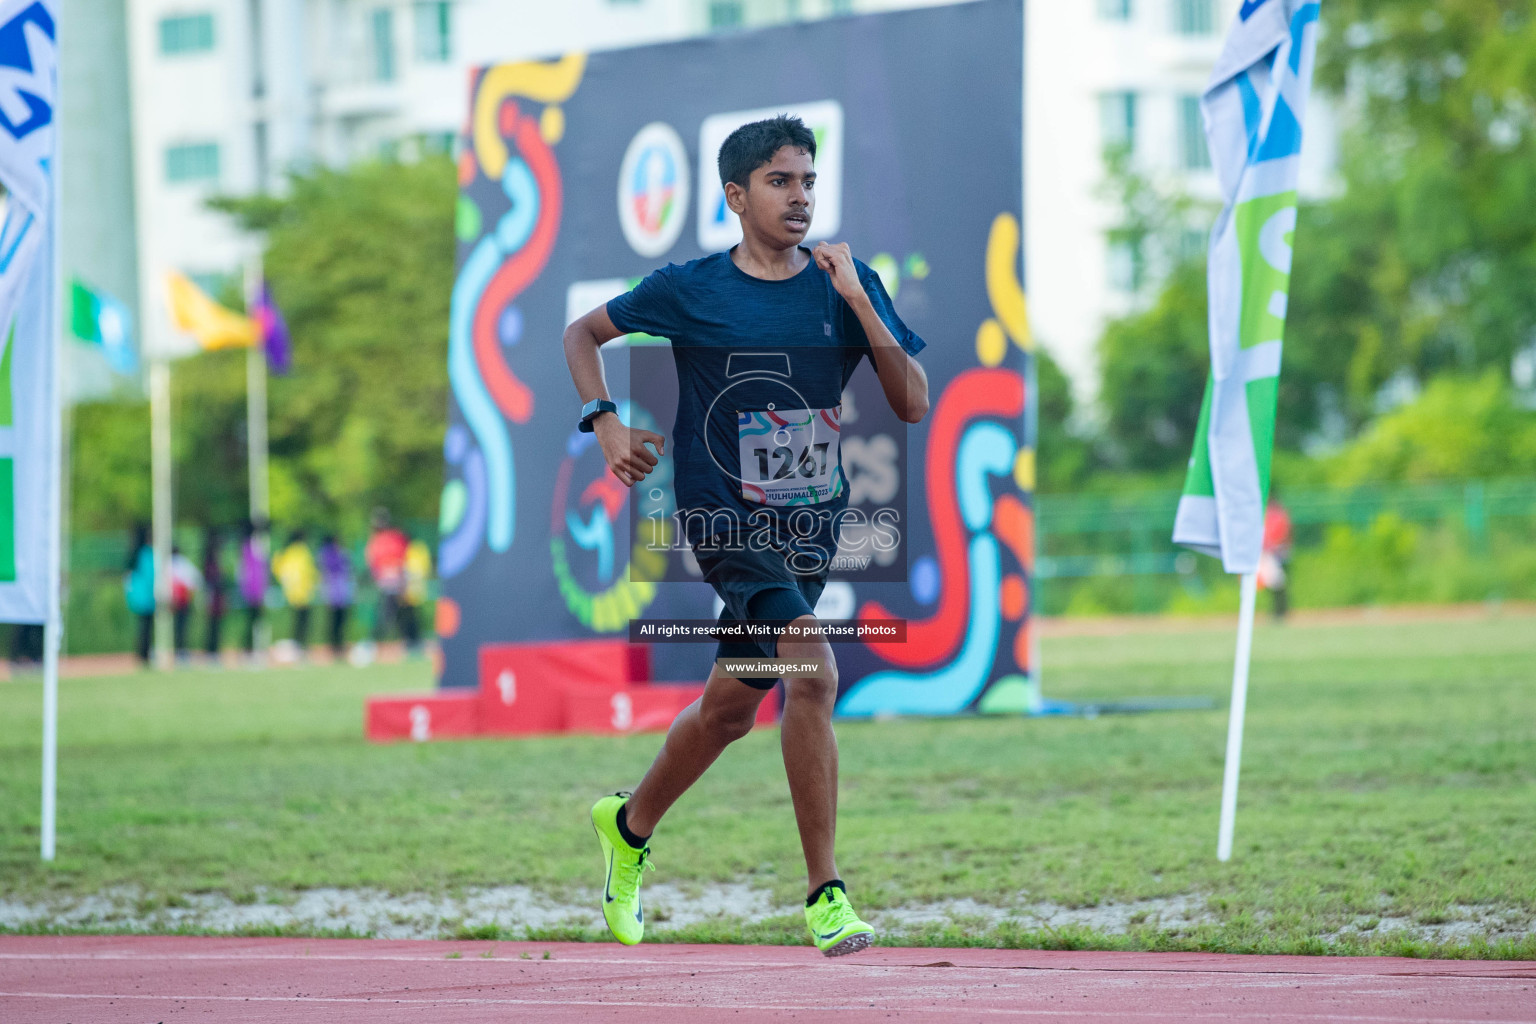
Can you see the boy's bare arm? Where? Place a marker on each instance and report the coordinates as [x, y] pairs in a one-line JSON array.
[[624, 448], [901, 377]]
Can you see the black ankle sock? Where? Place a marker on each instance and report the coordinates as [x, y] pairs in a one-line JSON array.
[[637, 842], [836, 883]]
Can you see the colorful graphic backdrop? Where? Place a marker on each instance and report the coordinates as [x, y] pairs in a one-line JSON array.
[[574, 183]]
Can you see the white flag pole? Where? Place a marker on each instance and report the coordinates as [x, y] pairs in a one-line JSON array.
[[162, 497], [1235, 717], [53, 625], [50, 728], [256, 435], [256, 403]]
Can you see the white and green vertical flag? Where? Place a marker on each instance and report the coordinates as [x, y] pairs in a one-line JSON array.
[[1254, 110], [29, 460]]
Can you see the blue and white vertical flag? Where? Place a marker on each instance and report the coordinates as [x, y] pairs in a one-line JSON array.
[[29, 298], [1254, 110]]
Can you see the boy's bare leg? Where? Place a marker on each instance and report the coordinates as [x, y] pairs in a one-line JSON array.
[[723, 715], [810, 752]]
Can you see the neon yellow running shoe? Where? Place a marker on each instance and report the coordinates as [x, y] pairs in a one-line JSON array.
[[623, 866], [835, 925]]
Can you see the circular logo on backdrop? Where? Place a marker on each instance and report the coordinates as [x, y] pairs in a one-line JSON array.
[[653, 189]]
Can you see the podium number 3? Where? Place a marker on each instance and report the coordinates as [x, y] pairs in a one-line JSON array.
[[623, 711]]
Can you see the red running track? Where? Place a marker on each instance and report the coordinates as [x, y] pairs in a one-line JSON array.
[[78, 979]]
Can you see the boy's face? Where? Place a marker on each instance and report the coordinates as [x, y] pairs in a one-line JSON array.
[[778, 205]]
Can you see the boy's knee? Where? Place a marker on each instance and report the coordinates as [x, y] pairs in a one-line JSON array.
[[819, 686], [729, 723]]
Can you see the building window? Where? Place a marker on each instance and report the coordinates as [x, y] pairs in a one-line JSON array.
[[1115, 10], [198, 161], [1127, 269], [432, 32], [1117, 120], [1193, 154], [726, 14], [381, 26], [186, 33], [1194, 17]]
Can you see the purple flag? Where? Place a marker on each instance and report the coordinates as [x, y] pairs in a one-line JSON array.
[[274, 332]]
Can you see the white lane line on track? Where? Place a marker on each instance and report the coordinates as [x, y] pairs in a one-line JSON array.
[[1073, 1014], [810, 961]]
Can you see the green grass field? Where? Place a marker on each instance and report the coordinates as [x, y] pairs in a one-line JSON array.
[[1389, 772]]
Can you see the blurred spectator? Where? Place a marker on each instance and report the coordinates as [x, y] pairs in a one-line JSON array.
[[215, 587], [253, 582], [336, 587], [418, 574], [296, 573], [385, 555], [1276, 553], [26, 646], [139, 589], [186, 581]]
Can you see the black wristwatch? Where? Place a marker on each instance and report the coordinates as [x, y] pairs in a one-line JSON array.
[[592, 410]]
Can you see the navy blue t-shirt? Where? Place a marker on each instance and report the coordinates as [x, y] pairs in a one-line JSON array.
[[761, 367]]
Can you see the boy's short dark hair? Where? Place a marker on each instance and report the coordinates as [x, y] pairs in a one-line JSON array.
[[752, 145]]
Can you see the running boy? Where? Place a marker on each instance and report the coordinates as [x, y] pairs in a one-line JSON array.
[[765, 338]]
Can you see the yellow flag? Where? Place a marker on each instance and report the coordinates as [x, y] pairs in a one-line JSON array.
[[194, 313]]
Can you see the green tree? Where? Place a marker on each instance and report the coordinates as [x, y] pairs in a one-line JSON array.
[[1340, 321], [1421, 264], [361, 263], [1065, 457], [1154, 366], [109, 465], [1460, 428], [1439, 207], [1155, 362]]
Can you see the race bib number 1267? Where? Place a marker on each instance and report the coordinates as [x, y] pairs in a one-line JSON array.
[[790, 456]]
